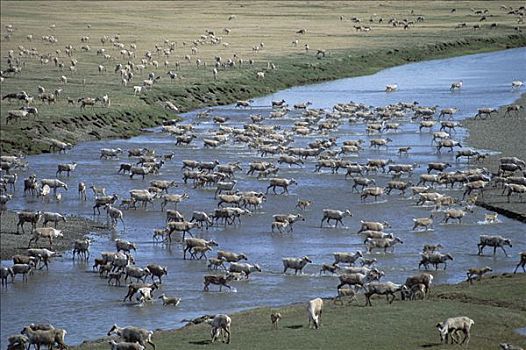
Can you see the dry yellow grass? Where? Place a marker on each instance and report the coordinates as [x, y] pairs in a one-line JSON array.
[[273, 23]]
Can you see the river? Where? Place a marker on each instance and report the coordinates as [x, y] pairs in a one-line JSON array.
[[72, 297]]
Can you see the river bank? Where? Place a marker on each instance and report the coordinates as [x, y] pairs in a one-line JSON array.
[[128, 122], [76, 227], [504, 134], [348, 53], [496, 304]]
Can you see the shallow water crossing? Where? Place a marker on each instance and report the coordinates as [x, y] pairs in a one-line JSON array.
[[72, 297]]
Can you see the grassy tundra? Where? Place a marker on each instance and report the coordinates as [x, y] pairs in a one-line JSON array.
[[256, 31], [497, 306]]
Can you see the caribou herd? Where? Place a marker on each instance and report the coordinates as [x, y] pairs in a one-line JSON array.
[[233, 204], [299, 138]]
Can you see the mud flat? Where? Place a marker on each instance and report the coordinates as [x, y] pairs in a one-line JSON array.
[[12, 243], [503, 134]]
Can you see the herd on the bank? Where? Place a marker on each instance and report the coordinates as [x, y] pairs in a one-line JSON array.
[[132, 68], [232, 205]]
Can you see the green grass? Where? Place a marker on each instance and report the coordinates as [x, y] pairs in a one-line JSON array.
[[497, 305], [350, 53]]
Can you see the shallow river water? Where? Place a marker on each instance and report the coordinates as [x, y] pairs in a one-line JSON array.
[[72, 297]]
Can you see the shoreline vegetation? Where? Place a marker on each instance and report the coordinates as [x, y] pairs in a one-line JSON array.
[[496, 304], [348, 52]]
